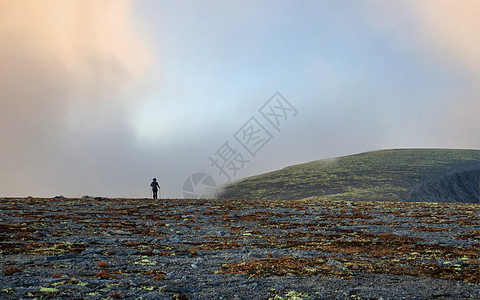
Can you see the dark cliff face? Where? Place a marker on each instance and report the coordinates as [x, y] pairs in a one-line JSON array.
[[461, 186]]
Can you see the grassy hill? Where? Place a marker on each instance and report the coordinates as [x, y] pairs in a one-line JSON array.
[[431, 175]]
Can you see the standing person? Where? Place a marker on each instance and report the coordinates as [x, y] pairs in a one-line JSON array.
[[155, 187]]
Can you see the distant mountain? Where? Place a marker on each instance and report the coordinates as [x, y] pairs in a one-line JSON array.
[[416, 175]]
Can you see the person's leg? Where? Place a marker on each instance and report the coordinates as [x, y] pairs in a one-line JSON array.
[[154, 194]]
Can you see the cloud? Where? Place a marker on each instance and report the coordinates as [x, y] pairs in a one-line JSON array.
[[445, 30], [451, 28], [449, 31], [445, 33], [68, 71]]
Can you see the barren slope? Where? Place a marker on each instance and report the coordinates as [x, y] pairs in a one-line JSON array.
[[427, 175]]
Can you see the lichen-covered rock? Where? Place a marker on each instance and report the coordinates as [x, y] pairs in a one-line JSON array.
[[233, 249]]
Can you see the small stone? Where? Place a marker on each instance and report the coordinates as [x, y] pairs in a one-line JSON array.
[[119, 232], [175, 239], [188, 216], [39, 234], [332, 262], [60, 257], [438, 294]]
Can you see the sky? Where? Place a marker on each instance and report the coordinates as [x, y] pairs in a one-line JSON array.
[[99, 97]]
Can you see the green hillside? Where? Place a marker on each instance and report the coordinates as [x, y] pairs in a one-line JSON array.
[[437, 175]]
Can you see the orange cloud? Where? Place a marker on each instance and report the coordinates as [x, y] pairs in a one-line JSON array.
[[63, 60], [448, 32], [80, 35], [452, 26], [451, 30]]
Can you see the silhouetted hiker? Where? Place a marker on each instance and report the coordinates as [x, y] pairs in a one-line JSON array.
[[155, 187]]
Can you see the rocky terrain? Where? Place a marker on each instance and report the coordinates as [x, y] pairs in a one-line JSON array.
[[230, 249]]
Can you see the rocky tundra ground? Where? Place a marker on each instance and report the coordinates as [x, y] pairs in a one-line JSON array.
[[231, 249]]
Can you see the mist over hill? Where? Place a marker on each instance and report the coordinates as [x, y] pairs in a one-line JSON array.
[[414, 175]]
